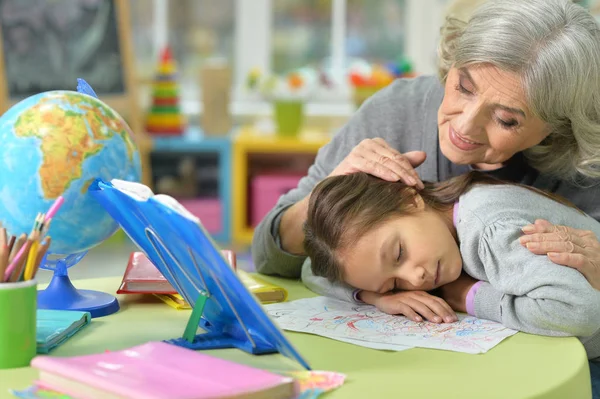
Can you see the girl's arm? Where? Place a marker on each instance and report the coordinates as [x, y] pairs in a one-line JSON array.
[[322, 286], [528, 292]]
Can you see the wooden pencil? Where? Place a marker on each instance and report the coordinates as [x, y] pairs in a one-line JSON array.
[[18, 270], [3, 251], [18, 244], [11, 243], [41, 253], [3, 261], [31, 258]]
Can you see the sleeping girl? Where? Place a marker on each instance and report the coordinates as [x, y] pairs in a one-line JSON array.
[[452, 246]]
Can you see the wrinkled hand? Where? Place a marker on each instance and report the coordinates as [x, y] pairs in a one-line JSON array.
[[565, 246], [376, 157], [415, 305], [455, 293]]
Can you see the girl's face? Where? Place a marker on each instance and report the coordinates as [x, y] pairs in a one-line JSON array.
[[484, 118], [417, 251]]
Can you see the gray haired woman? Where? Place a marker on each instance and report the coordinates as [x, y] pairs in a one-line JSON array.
[[518, 96]]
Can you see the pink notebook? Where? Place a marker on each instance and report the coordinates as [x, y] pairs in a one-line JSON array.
[[158, 370]]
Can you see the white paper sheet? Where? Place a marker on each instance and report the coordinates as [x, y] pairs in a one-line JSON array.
[[364, 325]]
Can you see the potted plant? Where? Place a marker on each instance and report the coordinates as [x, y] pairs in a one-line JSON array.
[[287, 93]]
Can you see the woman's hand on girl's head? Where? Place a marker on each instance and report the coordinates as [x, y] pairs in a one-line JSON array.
[[565, 246], [415, 305], [376, 157]]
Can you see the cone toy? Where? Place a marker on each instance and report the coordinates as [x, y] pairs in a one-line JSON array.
[[165, 117]]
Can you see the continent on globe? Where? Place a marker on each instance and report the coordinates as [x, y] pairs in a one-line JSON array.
[[69, 137]]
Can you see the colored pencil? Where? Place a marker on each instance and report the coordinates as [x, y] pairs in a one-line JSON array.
[[41, 253], [3, 251], [31, 258], [11, 243], [54, 208], [19, 264], [21, 258], [17, 247]]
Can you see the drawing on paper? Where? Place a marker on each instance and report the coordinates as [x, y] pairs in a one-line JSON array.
[[365, 325]]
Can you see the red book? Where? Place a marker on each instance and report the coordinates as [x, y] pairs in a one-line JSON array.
[[142, 277]]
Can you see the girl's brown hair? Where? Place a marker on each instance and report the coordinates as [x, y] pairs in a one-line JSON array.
[[341, 208]]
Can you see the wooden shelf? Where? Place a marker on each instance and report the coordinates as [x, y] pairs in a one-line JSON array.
[[249, 141], [194, 141]]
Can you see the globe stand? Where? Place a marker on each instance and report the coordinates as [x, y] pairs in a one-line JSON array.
[[61, 294]]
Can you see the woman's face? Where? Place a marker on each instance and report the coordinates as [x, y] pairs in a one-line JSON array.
[[416, 251], [484, 118]]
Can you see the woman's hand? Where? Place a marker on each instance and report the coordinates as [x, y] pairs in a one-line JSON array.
[[415, 305], [455, 293], [376, 157], [565, 246]]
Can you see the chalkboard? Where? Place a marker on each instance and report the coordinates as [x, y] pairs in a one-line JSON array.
[[47, 45]]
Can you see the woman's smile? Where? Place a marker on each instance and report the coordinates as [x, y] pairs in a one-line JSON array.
[[461, 142]]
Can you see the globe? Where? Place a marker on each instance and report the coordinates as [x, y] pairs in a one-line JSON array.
[[55, 144]]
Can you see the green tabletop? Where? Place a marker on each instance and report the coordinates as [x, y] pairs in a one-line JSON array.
[[522, 366]]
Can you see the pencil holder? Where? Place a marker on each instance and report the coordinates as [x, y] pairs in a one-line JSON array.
[[18, 307]]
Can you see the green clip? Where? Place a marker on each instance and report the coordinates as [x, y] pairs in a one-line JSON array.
[[192, 326]]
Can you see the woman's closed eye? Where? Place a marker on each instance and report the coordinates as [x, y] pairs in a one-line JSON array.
[[459, 87], [508, 124]]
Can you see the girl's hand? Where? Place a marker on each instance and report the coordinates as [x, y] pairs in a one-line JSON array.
[[376, 157], [565, 246], [415, 305]]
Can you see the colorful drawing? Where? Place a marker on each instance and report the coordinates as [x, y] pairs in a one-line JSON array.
[[35, 392], [364, 325], [312, 384]]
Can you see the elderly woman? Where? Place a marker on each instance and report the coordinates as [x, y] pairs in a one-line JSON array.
[[518, 96]]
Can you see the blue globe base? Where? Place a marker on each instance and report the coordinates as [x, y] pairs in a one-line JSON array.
[[61, 294]]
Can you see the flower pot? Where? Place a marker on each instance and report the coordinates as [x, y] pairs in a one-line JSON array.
[[289, 116]]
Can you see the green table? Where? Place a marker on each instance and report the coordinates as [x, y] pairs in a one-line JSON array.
[[522, 366]]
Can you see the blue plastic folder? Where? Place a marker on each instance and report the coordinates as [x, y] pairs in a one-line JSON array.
[[56, 326], [179, 246]]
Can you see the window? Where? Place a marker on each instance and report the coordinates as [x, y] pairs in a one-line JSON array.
[[198, 31], [142, 31], [277, 36], [301, 33], [595, 8], [375, 30], [195, 30]]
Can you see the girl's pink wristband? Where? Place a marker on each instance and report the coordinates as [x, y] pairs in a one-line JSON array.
[[470, 305]]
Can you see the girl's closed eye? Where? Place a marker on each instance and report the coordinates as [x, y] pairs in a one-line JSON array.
[[400, 252]]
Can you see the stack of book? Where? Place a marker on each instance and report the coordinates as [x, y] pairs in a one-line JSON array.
[[154, 370], [142, 277]]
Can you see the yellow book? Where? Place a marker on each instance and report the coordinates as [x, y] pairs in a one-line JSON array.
[[174, 300], [263, 290]]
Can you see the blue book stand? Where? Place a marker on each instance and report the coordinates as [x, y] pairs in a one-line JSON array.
[[177, 243]]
